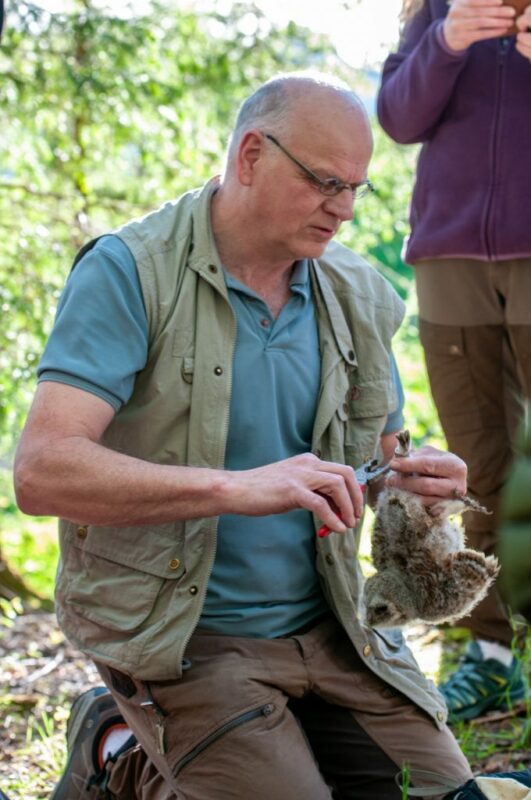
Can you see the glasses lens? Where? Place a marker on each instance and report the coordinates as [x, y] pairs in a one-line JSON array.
[[331, 187]]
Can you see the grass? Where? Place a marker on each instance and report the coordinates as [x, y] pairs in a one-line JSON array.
[[40, 760]]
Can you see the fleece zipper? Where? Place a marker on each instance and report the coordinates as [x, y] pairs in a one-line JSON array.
[[490, 243]]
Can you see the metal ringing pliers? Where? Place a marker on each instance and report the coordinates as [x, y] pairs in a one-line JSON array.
[[371, 470]]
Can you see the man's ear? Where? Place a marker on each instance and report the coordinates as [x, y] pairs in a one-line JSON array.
[[250, 150]]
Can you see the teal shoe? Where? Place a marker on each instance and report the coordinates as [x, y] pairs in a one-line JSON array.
[[480, 685]]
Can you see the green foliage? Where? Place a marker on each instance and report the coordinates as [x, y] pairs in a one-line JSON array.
[[104, 117]]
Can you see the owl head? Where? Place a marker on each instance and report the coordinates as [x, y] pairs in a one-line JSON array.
[[388, 603]]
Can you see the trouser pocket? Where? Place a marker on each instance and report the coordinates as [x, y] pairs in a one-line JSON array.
[[248, 716], [465, 369]]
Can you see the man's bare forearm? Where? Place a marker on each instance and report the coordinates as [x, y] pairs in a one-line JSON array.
[[83, 481], [62, 469]]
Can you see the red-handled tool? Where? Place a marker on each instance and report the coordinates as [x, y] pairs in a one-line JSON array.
[[368, 472], [371, 470]]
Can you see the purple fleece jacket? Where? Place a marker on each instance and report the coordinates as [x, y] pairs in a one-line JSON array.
[[472, 113]]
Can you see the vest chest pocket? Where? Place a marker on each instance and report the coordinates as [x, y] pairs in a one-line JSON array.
[[364, 413], [367, 400]]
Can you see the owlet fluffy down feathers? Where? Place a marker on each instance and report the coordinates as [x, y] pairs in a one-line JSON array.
[[424, 571]]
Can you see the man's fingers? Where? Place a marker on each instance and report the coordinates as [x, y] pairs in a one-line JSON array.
[[429, 490], [428, 460], [338, 482], [429, 473], [322, 508], [327, 489]]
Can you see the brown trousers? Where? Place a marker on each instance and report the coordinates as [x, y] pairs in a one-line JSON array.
[[255, 719], [475, 327]]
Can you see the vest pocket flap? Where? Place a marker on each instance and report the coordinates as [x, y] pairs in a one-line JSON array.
[[368, 400], [155, 550], [112, 596]]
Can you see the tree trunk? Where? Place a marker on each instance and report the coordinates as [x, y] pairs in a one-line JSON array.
[[12, 585]]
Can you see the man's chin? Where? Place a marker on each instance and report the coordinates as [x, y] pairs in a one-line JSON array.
[[316, 249]]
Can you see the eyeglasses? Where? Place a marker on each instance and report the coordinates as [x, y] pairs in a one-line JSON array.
[[330, 187]]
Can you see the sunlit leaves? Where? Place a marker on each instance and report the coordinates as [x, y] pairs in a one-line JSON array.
[[104, 116]]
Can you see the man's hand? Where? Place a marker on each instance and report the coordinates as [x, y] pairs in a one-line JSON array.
[[470, 21], [327, 489], [429, 473], [523, 37]]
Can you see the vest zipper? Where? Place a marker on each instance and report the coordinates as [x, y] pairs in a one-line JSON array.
[[212, 540], [262, 711]]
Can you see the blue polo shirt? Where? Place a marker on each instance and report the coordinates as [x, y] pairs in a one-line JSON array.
[[264, 582]]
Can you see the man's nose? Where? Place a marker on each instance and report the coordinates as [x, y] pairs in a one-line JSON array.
[[341, 205]]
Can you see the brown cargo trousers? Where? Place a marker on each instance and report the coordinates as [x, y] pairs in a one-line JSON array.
[[293, 718], [475, 328]]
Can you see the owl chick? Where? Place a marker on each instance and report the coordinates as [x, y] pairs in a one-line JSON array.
[[424, 572]]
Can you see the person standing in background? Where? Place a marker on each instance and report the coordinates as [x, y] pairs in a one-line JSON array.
[[459, 84]]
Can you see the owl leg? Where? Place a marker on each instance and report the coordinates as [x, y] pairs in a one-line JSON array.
[[472, 573], [474, 567]]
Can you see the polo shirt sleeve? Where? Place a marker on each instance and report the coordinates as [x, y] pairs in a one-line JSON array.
[[395, 418], [100, 337]]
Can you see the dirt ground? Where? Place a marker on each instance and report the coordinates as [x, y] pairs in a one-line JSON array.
[[40, 675]]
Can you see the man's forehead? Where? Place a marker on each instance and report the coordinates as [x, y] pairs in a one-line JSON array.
[[320, 114], [336, 142]]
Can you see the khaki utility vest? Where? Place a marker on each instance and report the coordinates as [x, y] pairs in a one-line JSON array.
[[131, 596]]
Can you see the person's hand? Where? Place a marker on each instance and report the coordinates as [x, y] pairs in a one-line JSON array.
[[329, 490], [523, 37], [470, 21], [429, 473]]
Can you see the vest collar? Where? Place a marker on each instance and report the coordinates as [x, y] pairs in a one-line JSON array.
[[204, 257], [324, 296]]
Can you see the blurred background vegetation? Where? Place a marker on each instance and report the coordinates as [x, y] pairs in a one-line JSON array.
[[104, 116]]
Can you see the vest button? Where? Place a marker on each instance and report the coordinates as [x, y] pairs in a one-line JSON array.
[[329, 559], [454, 350], [82, 532], [354, 393], [193, 590], [351, 355], [440, 716], [367, 650], [212, 268], [174, 563], [218, 370]]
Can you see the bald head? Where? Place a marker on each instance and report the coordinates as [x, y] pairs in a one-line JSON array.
[[295, 100]]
